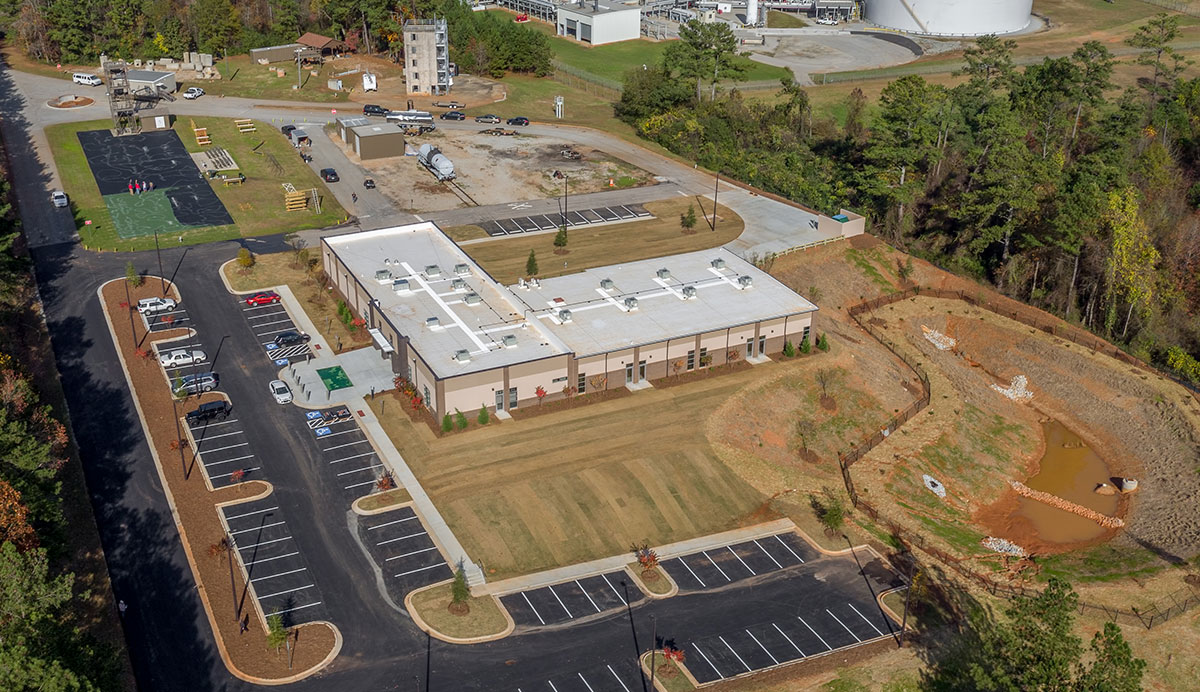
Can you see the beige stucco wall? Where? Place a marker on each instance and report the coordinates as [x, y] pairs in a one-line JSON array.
[[655, 356], [526, 377], [468, 392], [616, 367], [795, 328], [737, 339], [591, 366], [715, 343]]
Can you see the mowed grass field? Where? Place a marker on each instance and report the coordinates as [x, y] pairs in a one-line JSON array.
[[504, 258], [582, 483]]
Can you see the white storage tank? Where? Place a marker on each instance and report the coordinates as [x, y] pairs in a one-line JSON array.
[[436, 162], [951, 17]]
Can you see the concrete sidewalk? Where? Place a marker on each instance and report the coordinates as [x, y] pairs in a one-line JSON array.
[[367, 369]]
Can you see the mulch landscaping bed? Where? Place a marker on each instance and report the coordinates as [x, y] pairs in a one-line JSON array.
[[196, 506], [701, 374]]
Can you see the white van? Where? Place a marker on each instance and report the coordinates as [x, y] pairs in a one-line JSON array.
[[86, 79]]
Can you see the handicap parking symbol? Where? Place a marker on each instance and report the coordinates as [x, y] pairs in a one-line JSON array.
[[312, 414], [322, 432], [282, 361], [272, 347]]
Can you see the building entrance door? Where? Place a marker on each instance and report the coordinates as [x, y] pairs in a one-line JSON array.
[[628, 373], [512, 398], [641, 370], [750, 347], [499, 399], [762, 345]]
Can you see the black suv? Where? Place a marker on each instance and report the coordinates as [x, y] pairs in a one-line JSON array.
[[329, 175], [291, 339], [372, 109], [453, 115], [213, 410]]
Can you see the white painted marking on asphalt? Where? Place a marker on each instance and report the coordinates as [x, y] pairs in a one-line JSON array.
[[348, 444], [694, 575], [273, 331], [767, 554], [365, 468], [206, 438], [306, 605], [257, 528], [706, 660], [852, 634], [789, 549], [552, 686], [359, 485], [614, 590], [213, 425], [344, 432], [267, 324], [274, 540], [222, 449], [225, 475], [356, 456], [564, 606], [789, 639], [401, 538], [268, 559], [739, 658], [415, 552], [760, 645], [281, 574], [419, 569], [864, 617], [810, 629], [280, 593], [618, 677], [257, 511], [260, 307], [739, 557], [585, 682], [226, 461], [589, 597], [530, 604], [267, 314], [398, 521], [714, 564]]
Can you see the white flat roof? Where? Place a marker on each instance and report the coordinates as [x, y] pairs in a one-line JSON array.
[[601, 321]]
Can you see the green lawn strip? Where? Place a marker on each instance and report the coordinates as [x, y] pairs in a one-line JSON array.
[[667, 674], [1102, 563], [658, 583], [784, 20], [461, 233], [483, 618], [387, 498]]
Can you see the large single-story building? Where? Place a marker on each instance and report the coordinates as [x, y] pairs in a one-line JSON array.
[[376, 140], [151, 80], [465, 340], [597, 23]]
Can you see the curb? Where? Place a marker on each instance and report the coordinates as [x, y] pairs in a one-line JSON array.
[[425, 627], [637, 581], [658, 684], [372, 512]]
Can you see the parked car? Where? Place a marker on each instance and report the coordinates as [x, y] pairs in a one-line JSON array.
[[453, 115], [489, 118], [195, 384], [262, 298], [292, 339], [369, 183], [329, 175], [209, 411], [181, 357], [281, 392], [193, 93], [86, 79], [149, 306], [522, 121], [287, 130], [374, 109], [59, 198]]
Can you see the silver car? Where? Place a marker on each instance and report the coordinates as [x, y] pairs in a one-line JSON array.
[[181, 357]]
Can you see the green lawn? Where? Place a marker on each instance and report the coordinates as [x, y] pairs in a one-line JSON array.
[[256, 206], [784, 20], [251, 80]]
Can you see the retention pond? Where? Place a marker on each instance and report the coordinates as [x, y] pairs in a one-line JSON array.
[[1070, 470]]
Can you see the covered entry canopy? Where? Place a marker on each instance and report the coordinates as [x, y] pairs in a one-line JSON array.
[[381, 341]]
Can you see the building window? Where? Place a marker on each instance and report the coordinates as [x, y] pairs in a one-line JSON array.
[[414, 37], [582, 383], [705, 359], [414, 62], [427, 401], [556, 380], [416, 75], [805, 334], [691, 360]]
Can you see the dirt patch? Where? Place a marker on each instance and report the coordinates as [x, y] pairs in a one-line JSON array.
[[458, 609], [828, 403]]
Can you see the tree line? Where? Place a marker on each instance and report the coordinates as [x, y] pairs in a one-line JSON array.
[[79, 31], [1048, 182]]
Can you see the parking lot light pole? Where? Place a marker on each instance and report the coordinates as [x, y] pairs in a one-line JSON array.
[[129, 303], [237, 610], [716, 187], [179, 438], [158, 252], [565, 195], [653, 647]]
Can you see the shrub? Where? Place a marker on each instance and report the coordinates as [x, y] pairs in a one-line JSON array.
[[447, 424], [460, 419], [788, 349], [687, 220], [645, 556], [237, 476], [483, 418], [805, 347], [385, 482], [823, 342], [132, 276], [245, 258]]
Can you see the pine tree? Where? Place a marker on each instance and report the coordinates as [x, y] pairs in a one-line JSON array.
[[484, 418], [560, 239], [447, 423], [460, 591], [531, 268], [132, 275]]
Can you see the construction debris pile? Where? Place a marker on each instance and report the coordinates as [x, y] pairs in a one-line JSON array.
[[934, 485], [938, 339], [1017, 391], [1055, 501], [1001, 545]]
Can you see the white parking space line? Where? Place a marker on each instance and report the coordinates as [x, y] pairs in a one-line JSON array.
[[268, 559], [226, 461], [789, 548], [768, 554], [789, 639], [281, 574], [618, 677], [714, 564], [226, 475], [273, 331], [614, 590], [694, 575], [247, 514], [267, 324], [365, 468], [267, 314], [213, 425], [552, 686], [585, 682], [864, 617], [280, 593], [348, 444], [739, 557], [260, 307], [213, 437], [852, 634], [401, 538], [739, 657], [222, 449], [356, 456], [344, 432], [760, 645], [419, 569], [564, 606], [398, 521], [359, 485], [306, 605], [706, 660], [255, 545], [810, 629], [415, 552], [589, 596], [530, 604], [257, 528]]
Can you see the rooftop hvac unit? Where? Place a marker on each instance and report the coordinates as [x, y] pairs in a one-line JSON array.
[[745, 281], [631, 303], [472, 299], [718, 263], [462, 269], [432, 322], [664, 273], [462, 355], [564, 316], [400, 286], [607, 284], [433, 270], [509, 341], [458, 285], [689, 292], [383, 276]]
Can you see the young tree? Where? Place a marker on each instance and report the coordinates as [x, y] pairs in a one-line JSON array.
[[447, 423], [687, 220], [804, 429], [245, 258], [1154, 38], [277, 634], [560, 238], [483, 417], [460, 419], [460, 592], [830, 510], [824, 378], [788, 349], [132, 276], [805, 346], [531, 267], [822, 342], [1131, 270]]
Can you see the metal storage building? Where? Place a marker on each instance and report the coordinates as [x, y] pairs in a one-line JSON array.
[[376, 141], [151, 79], [284, 53], [951, 17], [348, 122], [598, 23]]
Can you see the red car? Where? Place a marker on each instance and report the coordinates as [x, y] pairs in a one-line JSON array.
[[264, 298]]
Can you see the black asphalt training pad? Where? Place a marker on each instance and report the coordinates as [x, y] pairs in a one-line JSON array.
[[157, 157]]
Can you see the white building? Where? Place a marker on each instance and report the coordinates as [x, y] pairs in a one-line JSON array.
[[951, 17], [598, 22]]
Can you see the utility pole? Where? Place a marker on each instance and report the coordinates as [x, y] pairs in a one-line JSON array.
[[128, 302], [565, 197], [237, 611], [653, 647], [716, 186]]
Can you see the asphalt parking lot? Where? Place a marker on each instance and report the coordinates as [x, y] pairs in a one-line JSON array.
[[400, 545], [279, 576], [572, 600], [720, 566], [573, 218], [223, 448], [269, 321], [348, 455], [167, 319], [619, 676]]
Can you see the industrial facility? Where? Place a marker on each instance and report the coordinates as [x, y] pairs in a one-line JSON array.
[[437, 163], [951, 17], [597, 23], [465, 340]]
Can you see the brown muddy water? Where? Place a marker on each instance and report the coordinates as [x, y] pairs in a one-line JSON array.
[[1070, 470]]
